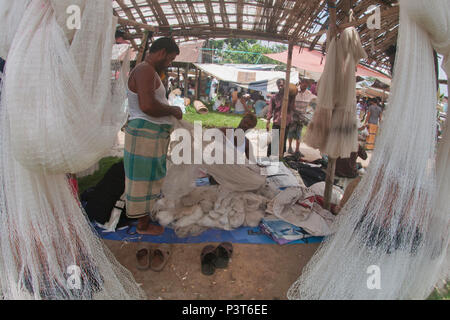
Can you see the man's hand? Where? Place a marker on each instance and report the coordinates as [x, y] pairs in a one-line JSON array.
[[268, 125], [177, 113]]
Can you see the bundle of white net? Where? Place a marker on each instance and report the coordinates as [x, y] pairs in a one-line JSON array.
[[391, 237], [59, 113]]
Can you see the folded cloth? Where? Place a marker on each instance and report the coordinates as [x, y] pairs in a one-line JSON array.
[[145, 153]]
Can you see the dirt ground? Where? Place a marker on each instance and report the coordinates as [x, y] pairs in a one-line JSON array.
[[255, 272]]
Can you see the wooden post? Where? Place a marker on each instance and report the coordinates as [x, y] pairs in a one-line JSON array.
[[186, 82], [284, 107], [143, 45], [199, 90], [329, 181], [197, 71]]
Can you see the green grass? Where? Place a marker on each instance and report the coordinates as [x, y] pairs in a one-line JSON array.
[[443, 294], [215, 119]]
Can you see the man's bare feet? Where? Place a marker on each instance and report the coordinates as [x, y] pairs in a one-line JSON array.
[[145, 227]]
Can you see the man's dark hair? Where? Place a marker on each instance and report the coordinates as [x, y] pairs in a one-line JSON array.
[[119, 34], [165, 43], [279, 81]]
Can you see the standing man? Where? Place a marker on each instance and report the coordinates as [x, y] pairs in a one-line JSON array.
[[302, 100], [147, 133], [274, 112], [372, 120], [213, 90]]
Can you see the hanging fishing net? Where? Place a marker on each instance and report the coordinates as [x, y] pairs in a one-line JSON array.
[[60, 111], [391, 239], [333, 129]]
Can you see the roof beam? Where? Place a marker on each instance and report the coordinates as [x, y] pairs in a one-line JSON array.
[[210, 13], [239, 13], [192, 11], [178, 15], [223, 12], [141, 16], [294, 15], [160, 12]]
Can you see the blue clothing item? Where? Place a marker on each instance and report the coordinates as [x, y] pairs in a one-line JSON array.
[[259, 106], [208, 88]]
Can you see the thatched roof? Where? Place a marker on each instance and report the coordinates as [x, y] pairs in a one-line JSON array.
[[302, 22]]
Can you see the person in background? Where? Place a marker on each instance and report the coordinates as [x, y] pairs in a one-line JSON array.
[[313, 88], [360, 108], [213, 90], [259, 105], [374, 117], [208, 87], [302, 100], [248, 122], [274, 112], [241, 106], [234, 96]]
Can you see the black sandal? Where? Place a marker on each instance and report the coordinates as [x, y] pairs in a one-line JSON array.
[[223, 253], [208, 260]]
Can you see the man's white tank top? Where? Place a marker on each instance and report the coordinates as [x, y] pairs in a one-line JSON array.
[[135, 111]]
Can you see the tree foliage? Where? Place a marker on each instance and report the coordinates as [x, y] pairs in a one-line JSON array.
[[243, 51]]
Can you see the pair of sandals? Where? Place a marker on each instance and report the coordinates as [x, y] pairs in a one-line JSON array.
[[155, 259], [216, 257]]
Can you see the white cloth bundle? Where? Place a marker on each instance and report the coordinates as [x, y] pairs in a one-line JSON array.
[[57, 115], [333, 129], [343, 136], [318, 129], [396, 221]]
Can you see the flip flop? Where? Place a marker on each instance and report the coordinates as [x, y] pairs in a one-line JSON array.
[[160, 256], [143, 256], [208, 259], [223, 253]]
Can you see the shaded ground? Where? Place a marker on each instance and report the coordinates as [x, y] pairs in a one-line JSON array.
[[261, 272]]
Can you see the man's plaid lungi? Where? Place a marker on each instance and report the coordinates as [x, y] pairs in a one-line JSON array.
[[145, 154]]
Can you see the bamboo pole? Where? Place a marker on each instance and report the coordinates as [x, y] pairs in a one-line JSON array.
[[142, 47], [186, 82], [284, 107], [329, 181], [126, 22]]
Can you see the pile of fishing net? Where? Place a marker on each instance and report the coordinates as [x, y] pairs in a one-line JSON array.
[[60, 112]]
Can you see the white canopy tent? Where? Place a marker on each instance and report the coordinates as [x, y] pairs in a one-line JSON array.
[[264, 81]]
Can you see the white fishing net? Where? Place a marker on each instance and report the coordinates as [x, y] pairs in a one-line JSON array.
[[59, 114], [397, 219], [11, 13]]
